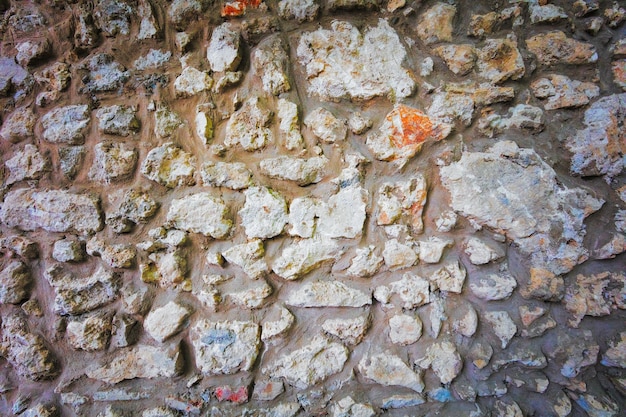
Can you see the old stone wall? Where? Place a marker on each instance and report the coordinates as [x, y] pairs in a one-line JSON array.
[[308, 208]]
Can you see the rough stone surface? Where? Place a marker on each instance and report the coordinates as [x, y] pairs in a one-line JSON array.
[[90, 334], [404, 329], [444, 360], [326, 126], [248, 126], [164, 322], [349, 331], [303, 256], [302, 171], [500, 60], [169, 165], [66, 124], [556, 48], [389, 370], [28, 164], [264, 214], [270, 61], [112, 162], [200, 213], [15, 280], [435, 24], [118, 120], [327, 294], [234, 175], [224, 51], [18, 125], [559, 91]]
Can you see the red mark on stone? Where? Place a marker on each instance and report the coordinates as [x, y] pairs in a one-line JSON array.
[[238, 7], [226, 393], [409, 126]]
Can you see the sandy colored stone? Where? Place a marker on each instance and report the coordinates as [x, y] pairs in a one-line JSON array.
[[481, 253], [289, 126], [494, 286], [431, 250], [502, 325], [249, 257], [18, 125], [299, 10], [248, 126], [500, 60], [192, 81], [302, 171], [615, 355], [405, 329], [166, 122], [104, 74], [28, 164], [365, 263], [436, 24], [403, 201], [90, 334], [270, 61], [412, 290], [170, 166], [560, 91], [66, 124], [326, 126], [349, 408], [200, 213], [225, 50], [450, 277], [264, 214], [483, 24], [343, 214], [113, 162], [273, 329], [349, 331], [164, 322], [555, 47], [118, 120], [460, 58], [15, 282], [444, 360], [547, 13], [327, 294], [303, 256], [120, 255], [389, 370], [253, 296], [398, 255]]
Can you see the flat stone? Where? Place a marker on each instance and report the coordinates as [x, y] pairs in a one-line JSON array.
[[328, 54], [326, 126], [66, 124], [90, 334], [181, 12], [192, 81], [154, 59], [272, 329], [113, 162], [521, 116], [225, 50], [233, 175], [483, 24], [435, 24], [27, 352], [403, 201], [118, 120], [200, 213], [481, 253], [141, 361], [543, 285], [71, 159], [365, 262], [299, 10], [548, 13], [597, 406], [253, 296], [248, 126], [500, 60], [431, 250], [450, 107], [28, 164], [166, 122], [327, 294], [267, 389], [615, 355], [32, 51], [480, 354], [502, 325], [15, 282], [311, 364], [465, 320], [113, 17], [225, 347], [149, 27], [450, 278], [170, 166], [444, 360], [289, 126], [302, 171], [270, 61], [525, 209], [494, 286], [460, 59], [51, 210], [264, 214], [560, 91], [164, 322], [119, 255], [412, 290], [105, 74], [302, 256], [597, 148], [19, 125], [398, 255], [131, 206], [405, 329], [586, 297], [344, 213], [389, 370], [555, 47], [249, 257], [349, 331], [347, 407]]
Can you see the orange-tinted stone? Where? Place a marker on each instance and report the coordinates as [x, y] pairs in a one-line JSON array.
[[238, 7], [409, 126]]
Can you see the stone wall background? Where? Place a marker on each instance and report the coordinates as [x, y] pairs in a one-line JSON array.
[[345, 208]]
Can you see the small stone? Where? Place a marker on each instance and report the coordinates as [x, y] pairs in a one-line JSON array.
[[169, 165], [494, 286], [225, 347], [404, 329], [113, 162], [483, 24], [227, 80], [358, 123], [403, 200], [449, 108], [181, 12], [192, 81], [327, 294], [41, 410], [133, 206], [584, 7], [51, 210], [289, 126], [426, 68], [611, 249], [224, 52], [141, 361], [573, 352], [235, 396], [460, 59], [402, 401], [264, 214], [619, 72], [164, 322], [29, 52], [253, 297], [343, 214], [444, 360], [597, 406], [313, 363], [166, 122], [116, 256], [248, 126], [118, 120], [465, 320], [326, 126], [66, 124], [19, 125], [431, 250], [502, 325], [56, 78], [302, 215], [200, 213], [510, 409], [299, 10], [113, 17], [412, 290], [233, 175], [548, 13], [365, 262], [71, 160], [560, 91], [480, 253], [435, 24], [149, 27], [302, 256], [446, 221], [21, 246], [302, 171], [167, 269], [544, 285], [105, 74], [152, 60], [15, 282], [615, 355], [390, 370], [204, 123], [249, 257], [398, 255], [450, 277], [267, 389], [529, 315], [90, 334], [349, 331], [522, 116], [27, 164], [615, 15], [271, 330], [125, 331], [500, 60], [539, 327], [586, 297], [480, 354], [555, 47], [270, 61]]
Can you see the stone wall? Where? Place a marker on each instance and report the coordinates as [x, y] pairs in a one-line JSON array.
[[303, 208]]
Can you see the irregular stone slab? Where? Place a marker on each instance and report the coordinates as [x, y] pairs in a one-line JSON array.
[[450, 277], [303, 213], [482, 94], [310, 364], [90, 334], [289, 126], [480, 253], [130, 207], [344, 213], [170, 166], [412, 290], [449, 108], [105, 74], [328, 54], [502, 325], [615, 355], [264, 214], [149, 27], [66, 124], [192, 81], [224, 51], [349, 408], [460, 59], [431, 250], [71, 159], [389, 370], [556, 48], [154, 59], [299, 10], [113, 17], [15, 281], [51, 210], [249, 257], [18, 125], [118, 120], [181, 12], [500, 60], [598, 148], [116, 255], [27, 164], [544, 285], [166, 122], [597, 405], [560, 91], [27, 352], [349, 331], [365, 262], [272, 329], [618, 67], [200, 213], [404, 329], [233, 175], [248, 126], [77, 296], [253, 296], [113, 162], [465, 320], [326, 126], [521, 116], [513, 191], [586, 297], [270, 61], [398, 255], [225, 347], [327, 294], [403, 200], [14, 76], [302, 171], [494, 286], [303, 256], [547, 13], [140, 361], [167, 268], [164, 322], [444, 360], [573, 352], [435, 24]]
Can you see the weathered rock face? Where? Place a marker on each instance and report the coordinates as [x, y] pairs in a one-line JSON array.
[[200, 213], [66, 124]]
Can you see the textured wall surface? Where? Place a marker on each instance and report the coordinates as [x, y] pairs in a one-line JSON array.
[[308, 208]]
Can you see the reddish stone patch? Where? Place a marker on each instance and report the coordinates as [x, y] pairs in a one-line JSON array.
[[238, 7], [226, 393], [409, 126]]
